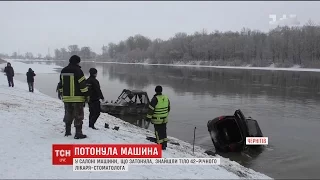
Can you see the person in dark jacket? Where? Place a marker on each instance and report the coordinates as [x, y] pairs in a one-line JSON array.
[[73, 89], [158, 113], [59, 93], [30, 79], [94, 99], [10, 74]]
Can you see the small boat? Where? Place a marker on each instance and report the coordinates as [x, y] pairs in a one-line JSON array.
[[129, 102], [228, 133]]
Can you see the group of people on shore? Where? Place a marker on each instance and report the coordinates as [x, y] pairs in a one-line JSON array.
[[75, 90], [10, 74]]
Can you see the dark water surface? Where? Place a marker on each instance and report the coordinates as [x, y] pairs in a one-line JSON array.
[[285, 103]]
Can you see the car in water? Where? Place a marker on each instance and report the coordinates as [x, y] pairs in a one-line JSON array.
[[129, 102], [228, 133]]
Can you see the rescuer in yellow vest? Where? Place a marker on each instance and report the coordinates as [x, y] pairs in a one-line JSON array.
[[159, 109]]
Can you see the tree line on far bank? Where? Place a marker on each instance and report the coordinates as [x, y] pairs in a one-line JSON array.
[[59, 54], [283, 46]]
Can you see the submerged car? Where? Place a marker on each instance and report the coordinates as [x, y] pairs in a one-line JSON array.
[[228, 133], [130, 102]]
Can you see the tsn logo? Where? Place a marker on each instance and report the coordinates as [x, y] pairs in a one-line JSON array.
[[285, 20]]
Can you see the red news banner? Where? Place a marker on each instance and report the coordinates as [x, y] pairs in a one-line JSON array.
[[63, 154]]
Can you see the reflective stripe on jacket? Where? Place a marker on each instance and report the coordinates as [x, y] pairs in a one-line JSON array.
[[72, 84]]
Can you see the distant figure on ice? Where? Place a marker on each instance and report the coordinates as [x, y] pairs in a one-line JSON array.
[[30, 79], [95, 96], [10, 74], [159, 109], [72, 86]]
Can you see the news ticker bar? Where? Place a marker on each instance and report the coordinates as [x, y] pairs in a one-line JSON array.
[[122, 164], [63, 154]]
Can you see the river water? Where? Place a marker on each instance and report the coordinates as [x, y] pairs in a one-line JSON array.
[[285, 103]]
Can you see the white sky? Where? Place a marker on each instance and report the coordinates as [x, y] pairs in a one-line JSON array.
[[37, 26]]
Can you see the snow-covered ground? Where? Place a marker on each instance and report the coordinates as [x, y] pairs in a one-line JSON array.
[[32, 122]]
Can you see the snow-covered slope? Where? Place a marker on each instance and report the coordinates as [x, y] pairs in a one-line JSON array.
[[32, 122]]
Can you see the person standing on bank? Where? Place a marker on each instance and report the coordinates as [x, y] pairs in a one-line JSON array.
[[10, 74], [158, 113], [30, 79], [94, 97], [59, 93], [73, 89]]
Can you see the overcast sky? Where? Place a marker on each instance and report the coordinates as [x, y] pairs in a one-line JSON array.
[[37, 26]]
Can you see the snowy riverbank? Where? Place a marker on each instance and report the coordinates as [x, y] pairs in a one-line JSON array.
[[269, 68], [2, 61], [197, 64], [32, 122]]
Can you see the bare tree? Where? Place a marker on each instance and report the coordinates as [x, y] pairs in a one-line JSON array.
[[14, 55], [282, 46], [57, 54], [73, 50], [28, 55]]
